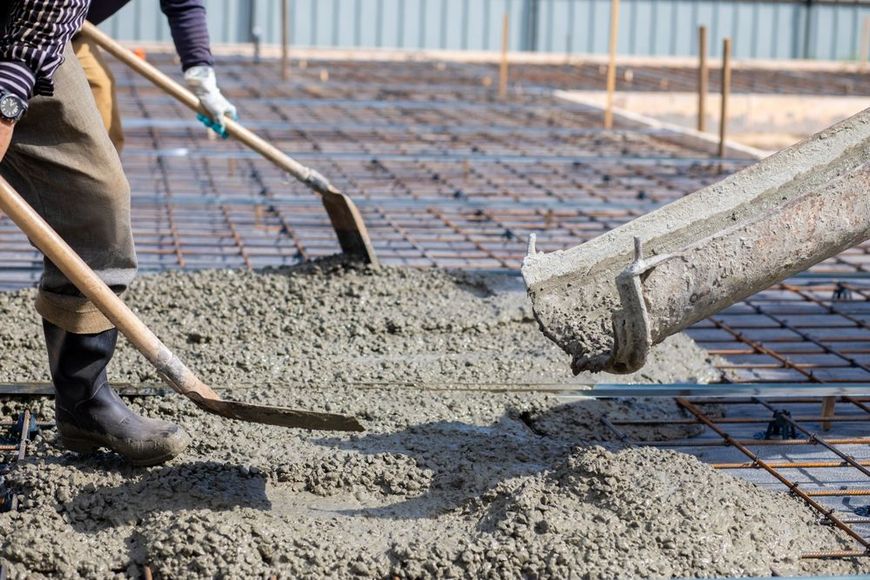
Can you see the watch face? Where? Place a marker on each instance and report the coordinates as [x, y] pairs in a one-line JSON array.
[[10, 107]]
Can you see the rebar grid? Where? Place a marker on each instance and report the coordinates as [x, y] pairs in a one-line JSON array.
[[10, 453], [444, 177], [774, 468], [813, 332]]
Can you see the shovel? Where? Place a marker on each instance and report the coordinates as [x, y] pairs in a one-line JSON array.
[[170, 368], [353, 237]]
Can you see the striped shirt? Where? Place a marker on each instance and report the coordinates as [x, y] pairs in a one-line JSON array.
[[32, 39]]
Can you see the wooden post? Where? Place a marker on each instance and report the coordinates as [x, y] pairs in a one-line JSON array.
[[828, 405], [865, 42], [503, 68], [611, 67], [726, 91], [703, 78], [285, 39]]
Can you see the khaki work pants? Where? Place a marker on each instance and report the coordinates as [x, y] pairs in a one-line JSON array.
[[63, 163], [102, 83]]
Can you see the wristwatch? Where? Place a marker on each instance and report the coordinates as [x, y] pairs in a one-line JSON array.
[[12, 107]]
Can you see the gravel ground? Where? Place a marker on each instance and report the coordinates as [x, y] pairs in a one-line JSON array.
[[451, 479]]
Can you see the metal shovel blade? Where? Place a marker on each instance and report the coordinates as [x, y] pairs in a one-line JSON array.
[[280, 416], [349, 227]]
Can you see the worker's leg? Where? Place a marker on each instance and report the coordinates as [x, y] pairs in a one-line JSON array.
[[102, 83], [63, 163]]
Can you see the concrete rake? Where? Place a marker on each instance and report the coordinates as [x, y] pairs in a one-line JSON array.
[[353, 236], [169, 366]]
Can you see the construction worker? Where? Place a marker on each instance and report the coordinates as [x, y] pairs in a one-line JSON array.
[[187, 22], [55, 151]]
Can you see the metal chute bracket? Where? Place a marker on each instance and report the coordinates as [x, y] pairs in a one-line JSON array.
[[631, 324]]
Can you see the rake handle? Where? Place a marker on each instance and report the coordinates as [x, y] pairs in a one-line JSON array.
[[43, 236], [304, 174]]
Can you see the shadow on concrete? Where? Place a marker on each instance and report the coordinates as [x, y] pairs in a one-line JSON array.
[[465, 461], [190, 486]]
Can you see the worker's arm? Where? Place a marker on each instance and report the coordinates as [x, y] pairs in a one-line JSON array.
[[187, 20], [102, 10], [31, 48]]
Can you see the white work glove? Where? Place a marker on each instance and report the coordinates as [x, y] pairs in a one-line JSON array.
[[202, 83]]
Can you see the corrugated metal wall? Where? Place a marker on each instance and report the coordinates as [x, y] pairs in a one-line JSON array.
[[647, 27]]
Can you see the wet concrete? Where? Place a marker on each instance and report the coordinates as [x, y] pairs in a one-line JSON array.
[[450, 480]]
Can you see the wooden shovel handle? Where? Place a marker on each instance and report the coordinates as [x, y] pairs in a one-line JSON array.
[[171, 369], [308, 176]]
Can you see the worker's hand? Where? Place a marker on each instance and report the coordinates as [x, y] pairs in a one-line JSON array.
[[202, 82], [5, 137]]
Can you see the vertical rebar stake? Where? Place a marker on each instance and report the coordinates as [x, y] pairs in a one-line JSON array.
[[503, 68], [611, 66], [726, 91], [828, 406], [703, 78], [865, 42], [285, 39]]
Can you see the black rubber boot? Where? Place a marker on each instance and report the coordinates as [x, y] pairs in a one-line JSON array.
[[90, 414]]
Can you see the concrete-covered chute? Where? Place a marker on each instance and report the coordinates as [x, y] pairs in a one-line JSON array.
[[606, 302]]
